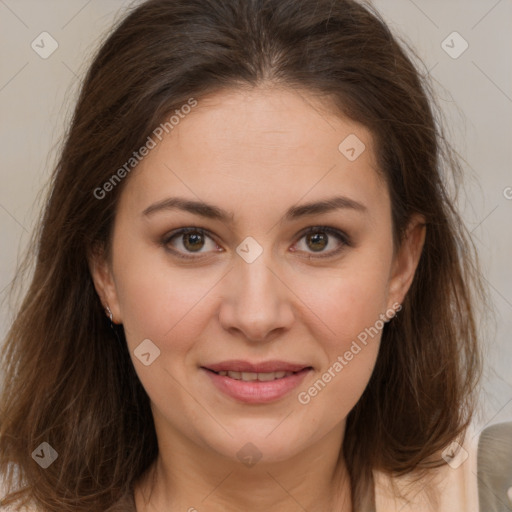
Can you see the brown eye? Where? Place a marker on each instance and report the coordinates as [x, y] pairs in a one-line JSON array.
[[318, 239], [193, 241], [187, 241]]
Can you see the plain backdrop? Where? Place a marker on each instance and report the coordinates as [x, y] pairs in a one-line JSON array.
[[474, 90]]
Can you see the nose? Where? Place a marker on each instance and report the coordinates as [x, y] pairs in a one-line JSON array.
[[256, 303]]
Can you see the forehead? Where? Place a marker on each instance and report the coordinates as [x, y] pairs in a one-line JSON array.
[[272, 124], [249, 147]]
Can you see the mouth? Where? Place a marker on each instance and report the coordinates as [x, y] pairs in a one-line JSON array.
[[241, 366], [256, 383], [256, 376]]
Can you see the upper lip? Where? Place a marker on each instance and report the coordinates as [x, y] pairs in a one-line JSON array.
[[237, 365]]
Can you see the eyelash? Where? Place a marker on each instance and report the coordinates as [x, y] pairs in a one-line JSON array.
[[340, 235]]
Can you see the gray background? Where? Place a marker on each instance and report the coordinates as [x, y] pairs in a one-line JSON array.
[[474, 90]]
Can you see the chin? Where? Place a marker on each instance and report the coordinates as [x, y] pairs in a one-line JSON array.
[[249, 448]]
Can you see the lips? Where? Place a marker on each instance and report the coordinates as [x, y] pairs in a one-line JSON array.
[[237, 365], [255, 383], [252, 376]]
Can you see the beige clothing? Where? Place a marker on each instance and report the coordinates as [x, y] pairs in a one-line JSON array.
[[457, 487]]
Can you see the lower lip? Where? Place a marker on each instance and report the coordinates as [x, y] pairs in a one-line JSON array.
[[257, 392]]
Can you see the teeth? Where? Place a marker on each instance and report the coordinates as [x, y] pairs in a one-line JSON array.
[[251, 376]]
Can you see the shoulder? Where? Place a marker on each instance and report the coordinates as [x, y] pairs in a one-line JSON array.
[[477, 477], [452, 486]]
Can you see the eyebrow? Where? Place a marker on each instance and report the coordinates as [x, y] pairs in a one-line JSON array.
[[213, 212]]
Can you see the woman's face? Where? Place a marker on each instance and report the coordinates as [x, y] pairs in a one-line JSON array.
[[248, 285]]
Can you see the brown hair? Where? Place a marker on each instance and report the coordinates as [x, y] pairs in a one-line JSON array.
[[70, 382]]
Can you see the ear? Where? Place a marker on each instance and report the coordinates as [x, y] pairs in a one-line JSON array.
[[103, 278], [406, 260]]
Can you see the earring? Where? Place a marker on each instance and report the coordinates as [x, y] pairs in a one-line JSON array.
[[109, 314], [112, 325]]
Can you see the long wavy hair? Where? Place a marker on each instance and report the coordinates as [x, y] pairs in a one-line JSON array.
[[68, 377]]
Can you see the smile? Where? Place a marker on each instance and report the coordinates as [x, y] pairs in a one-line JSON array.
[[256, 387], [252, 376]]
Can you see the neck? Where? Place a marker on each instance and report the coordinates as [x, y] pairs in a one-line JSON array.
[[195, 480]]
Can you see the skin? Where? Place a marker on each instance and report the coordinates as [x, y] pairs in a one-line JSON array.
[[254, 152]]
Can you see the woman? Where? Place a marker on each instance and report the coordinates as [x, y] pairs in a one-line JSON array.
[[319, 352]]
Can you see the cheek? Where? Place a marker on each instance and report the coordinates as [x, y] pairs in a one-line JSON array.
[[347, 300], [350, 344], [349, 303], [158, 301]]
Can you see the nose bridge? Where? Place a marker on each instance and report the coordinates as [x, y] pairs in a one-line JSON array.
[[256, 302], [256, 279]]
